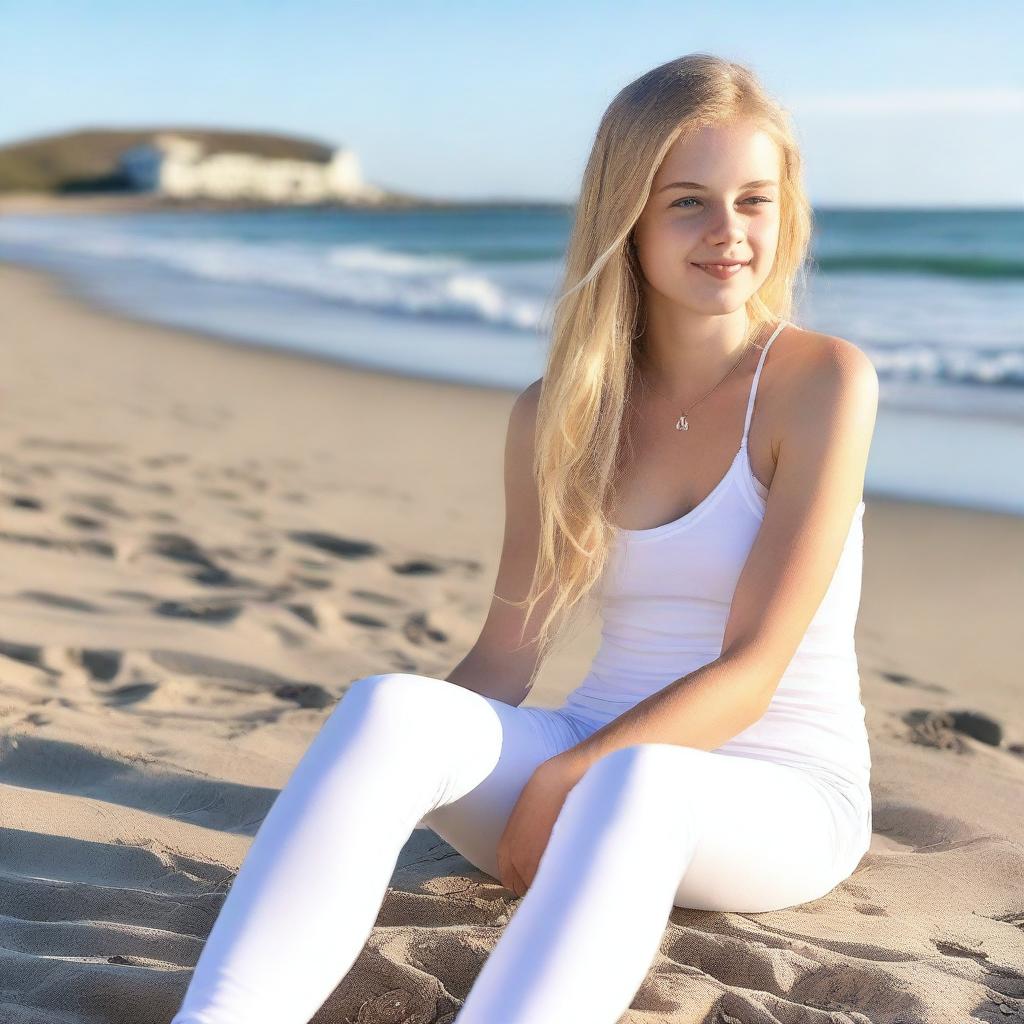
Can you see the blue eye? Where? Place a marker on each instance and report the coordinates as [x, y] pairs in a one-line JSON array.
[[757, 200]]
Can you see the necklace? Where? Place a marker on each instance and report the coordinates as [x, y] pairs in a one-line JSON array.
[[683, 423]]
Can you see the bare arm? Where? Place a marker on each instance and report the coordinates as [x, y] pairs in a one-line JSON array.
[[814, 495], [493, 667]]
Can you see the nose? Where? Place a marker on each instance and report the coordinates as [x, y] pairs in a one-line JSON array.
[[726, 227]]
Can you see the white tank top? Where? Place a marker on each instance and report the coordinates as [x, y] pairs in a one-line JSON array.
[[664, 602]]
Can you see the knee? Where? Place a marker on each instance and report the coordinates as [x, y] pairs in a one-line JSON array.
[[644, 772], [395, 708], [417, 722], [394, 694], [393, 699], [394, 687], [643, 797]]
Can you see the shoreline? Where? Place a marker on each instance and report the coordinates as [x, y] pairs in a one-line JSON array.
[[62, 287]]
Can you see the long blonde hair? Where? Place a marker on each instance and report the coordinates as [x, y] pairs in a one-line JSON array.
[[591, 359]]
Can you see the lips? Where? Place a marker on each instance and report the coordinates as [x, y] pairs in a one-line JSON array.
[[721, 271]]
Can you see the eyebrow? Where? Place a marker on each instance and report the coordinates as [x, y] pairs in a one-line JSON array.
[[760, 183]]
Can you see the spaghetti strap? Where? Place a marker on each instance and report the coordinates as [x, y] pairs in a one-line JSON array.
[[757, 377]]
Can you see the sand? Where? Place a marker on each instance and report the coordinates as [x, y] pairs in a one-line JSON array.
[[204, 544]]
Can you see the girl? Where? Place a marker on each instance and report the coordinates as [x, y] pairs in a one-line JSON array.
[[715, 755]]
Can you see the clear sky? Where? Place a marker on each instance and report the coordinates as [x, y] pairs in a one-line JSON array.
[[909, 102]]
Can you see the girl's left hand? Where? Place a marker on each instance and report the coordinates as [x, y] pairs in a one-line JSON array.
[[529, 826]]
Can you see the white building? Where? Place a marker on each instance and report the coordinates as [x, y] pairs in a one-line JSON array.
[[176, 166]]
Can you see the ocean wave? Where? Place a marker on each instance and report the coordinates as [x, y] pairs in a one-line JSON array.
[[986, 268], [1002, 367], [357, 275]]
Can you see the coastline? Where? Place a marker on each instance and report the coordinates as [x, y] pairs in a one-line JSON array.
[[206, 542]]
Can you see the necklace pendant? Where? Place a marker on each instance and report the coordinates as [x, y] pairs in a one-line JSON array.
[[681, 424]]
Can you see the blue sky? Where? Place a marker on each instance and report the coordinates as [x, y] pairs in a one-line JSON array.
[[899, 103]]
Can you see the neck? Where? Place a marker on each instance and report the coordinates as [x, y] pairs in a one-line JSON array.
[[682, 353]]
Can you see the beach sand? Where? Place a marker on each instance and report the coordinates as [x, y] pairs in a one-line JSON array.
[[205, 543]]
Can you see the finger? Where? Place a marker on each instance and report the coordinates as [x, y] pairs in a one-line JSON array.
[[504, 875], [518, 886]]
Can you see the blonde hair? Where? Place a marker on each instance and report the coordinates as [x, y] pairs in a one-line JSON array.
[[591, 358]]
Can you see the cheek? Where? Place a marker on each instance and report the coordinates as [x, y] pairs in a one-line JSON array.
[[669, 244], [764, 235], [764, 242]]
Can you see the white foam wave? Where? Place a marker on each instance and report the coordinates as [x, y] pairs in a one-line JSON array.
[[357, 275]]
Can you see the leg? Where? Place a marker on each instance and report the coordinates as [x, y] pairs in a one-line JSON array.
[[396, 747], [648, 827]]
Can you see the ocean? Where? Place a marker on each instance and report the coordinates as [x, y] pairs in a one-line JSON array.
[[935, 298]]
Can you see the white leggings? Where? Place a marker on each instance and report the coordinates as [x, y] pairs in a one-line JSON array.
[[648, 826]]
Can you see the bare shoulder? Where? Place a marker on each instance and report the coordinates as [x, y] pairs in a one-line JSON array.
[[523, 416], [829, 384], [520, 445], [815, 370], [530, 395], [802, 354], [838, 371]]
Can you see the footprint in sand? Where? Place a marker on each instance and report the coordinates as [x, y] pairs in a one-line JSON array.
[[361, 619], [101, 503], [27, 654], [24, 501], [902, 679], [248, 678], [81, 522], [424, 567], [199, 610], [312, 563], [130, 693], [312, 582], [87, 546], [371, 595], [340, 547], [306, 612], [102, 664], [416, 567], [125, 479], [73, 604], [871, 909], [179, 548], [133, 595], [943, 729], [418, 629]]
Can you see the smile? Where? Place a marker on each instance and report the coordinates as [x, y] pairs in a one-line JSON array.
[[719, 271]]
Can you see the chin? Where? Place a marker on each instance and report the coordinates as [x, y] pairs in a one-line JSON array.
[[720, 306]]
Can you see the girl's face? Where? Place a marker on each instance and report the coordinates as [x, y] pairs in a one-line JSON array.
[[715, 198]]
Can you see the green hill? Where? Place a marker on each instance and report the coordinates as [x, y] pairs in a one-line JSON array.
[[86, 160]]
